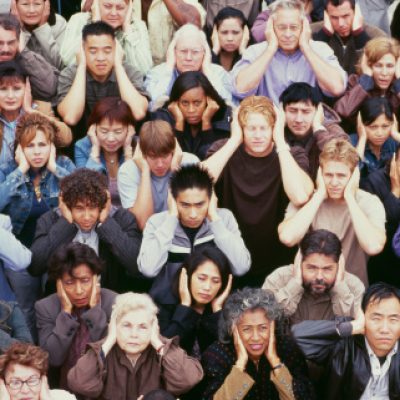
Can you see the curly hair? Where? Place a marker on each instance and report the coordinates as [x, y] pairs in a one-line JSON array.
[[24, 354], [84, 185], [259, 105], [29, 124], [247, 299], [339, 150], [127, 302]]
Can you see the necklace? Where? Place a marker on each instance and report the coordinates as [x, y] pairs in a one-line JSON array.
[[38, 193]]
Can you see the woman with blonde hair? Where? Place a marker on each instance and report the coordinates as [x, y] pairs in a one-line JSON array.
[[133, 359], [378, 75], [130, 32]]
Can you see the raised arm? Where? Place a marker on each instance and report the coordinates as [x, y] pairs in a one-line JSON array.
[[72, 106], [183, 13], [372, 238], [330, 78], [294, 227], [296, 182]]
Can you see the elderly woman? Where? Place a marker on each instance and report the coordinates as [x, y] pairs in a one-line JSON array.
[[23, 370], [254, 358], [378, 75], [133, 359], [130, 32]]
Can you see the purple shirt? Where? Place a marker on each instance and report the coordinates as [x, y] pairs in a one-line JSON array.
[[283, 70]]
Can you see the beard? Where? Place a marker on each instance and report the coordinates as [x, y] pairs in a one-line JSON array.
[[317, 287]]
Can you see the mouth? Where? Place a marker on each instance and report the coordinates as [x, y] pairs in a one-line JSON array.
[[81, 302], [256, 347], [204, 296]]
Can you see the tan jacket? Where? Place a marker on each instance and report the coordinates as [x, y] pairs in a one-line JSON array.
[[345, 296]]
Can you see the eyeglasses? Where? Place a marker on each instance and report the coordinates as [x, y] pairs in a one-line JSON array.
[[16, 384], [196, 53]]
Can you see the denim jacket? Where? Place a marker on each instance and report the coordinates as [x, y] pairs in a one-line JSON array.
[[13, 327], [17, 191], [83, 147]]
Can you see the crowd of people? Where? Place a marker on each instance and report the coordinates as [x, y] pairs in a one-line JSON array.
[[199, 200]]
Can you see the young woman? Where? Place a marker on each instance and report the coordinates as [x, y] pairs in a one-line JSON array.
[[133, 359], [254, 355], [130, 32], [29, 187], [197, 112], [377, 134], [229, 38], [43, 29], [23, 370], [202, 286], [15, 101], [108, 142], [378, 75]]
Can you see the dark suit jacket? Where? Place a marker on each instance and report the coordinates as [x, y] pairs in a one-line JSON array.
[[57, 329]]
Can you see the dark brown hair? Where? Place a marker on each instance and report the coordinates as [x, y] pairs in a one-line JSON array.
[[112, 109]]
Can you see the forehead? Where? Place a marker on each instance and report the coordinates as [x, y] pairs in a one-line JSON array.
[[301, 105], [231, 23], [387, 58], [20, 371], [287, 17], [320, 260], [136, 317], [99, 41], [256, 119], [7, 35], [342, 9], [116, 2], [84, 204], [381, 119], [194, 93], [335, 167], [191, 40], [106, 123], [254, 317], [39, 137], [389, 306], [192, 196], [208, 268], [80, 271]]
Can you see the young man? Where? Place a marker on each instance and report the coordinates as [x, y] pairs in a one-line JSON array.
[[188, 51], [144, 181], [309, 124], [316, 286], [80, 310], [362, 356], [85, 215], [343, 29], [288, 55], [338, 205], [99, 72], [42, 75], [192, 221], [256, 174]]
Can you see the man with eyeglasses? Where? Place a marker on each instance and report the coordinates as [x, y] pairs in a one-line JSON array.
[[188, 51], [287, 56], [23, 370]]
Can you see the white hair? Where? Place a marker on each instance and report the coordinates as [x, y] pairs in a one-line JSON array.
[[287, 5], [189, 29], [130, 301]]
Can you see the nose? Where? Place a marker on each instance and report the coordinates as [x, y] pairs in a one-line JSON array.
[[10, 92], [191, 107], [229, 37], [320, 274], [25, 388], [31, 8], [188, 55], [78, 288], [298, 117], [86, 215], [193, 213], [100, 56], [207, 285], [384, 70], [334, 181], [255, 334], [385, 326]]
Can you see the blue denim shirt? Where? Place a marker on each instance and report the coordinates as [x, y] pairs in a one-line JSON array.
[[83, 147], [7, 148], [17, 191], [370, 163]]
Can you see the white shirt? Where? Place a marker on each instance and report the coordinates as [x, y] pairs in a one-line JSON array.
[[378, 384]]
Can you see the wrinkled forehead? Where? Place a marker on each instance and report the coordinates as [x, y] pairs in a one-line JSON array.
[[190, 40], [285, 16]]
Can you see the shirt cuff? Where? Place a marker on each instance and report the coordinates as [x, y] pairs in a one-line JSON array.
[[366, 82]]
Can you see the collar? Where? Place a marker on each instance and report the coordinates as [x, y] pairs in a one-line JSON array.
[[296, 55], [371, 353]]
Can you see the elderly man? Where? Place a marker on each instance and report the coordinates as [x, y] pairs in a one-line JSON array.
[[343, 29], [355, 216], [316, 286], [42, 75], [287, 56], [188, 51]]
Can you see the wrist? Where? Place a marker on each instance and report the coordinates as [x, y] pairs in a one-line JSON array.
[[241, 364]]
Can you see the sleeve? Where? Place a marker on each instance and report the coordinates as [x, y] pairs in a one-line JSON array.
[[86, 377], [56, 333], [13, 253], [136, 78], [42, 75], [374, 211], [158, 82], [346, 296], [50, 40], [73, 37], [82, 156], [179, 371], [288, 292], [258, 28], [228, 239], [354, 95], [96, 321], [128, 183], [65, 81], [9, 186], [136, 45], [283, 381], [157, 238], [396, 242], [50, 234], [64, 166], [123, 239]]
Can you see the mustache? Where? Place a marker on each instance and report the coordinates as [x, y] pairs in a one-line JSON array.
[[6, 53]]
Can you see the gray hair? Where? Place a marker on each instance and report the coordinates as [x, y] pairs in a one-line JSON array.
[[247, 299], [188, 29], [287, 5]]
